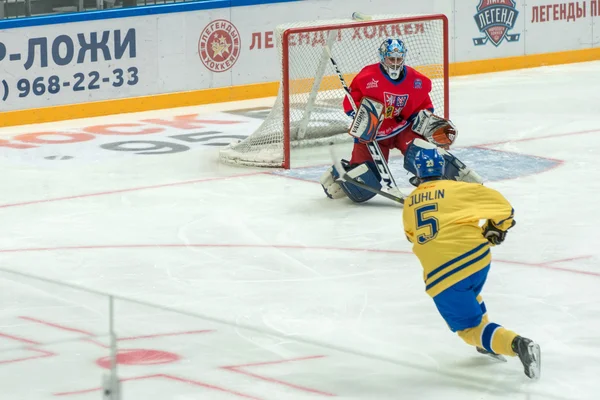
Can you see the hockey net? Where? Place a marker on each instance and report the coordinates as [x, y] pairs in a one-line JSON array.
[[308, 109]]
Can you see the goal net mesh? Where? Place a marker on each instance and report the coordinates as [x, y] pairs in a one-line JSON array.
[[312, 112]]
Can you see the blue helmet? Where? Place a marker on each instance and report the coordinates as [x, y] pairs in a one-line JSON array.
[[392, 54], [429, 163]]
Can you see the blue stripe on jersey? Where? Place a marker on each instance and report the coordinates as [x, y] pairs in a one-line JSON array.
[[391, 134], [483, 308], [512, 214], [457, 259], [413, 116], [398, 130], [465, 265], [487, 334]]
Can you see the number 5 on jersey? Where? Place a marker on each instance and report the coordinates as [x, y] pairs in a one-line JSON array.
[[427, 222]]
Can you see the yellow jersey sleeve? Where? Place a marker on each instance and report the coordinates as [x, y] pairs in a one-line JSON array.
[[442, 221], [493, 206]]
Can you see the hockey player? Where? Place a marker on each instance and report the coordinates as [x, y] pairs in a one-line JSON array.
[[404, 93], [441, 219]]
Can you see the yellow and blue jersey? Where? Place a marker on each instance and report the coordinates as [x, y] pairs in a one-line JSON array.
[[442, 221]]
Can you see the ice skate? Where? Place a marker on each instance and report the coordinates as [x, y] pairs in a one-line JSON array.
[[530, 355], [495, 356]]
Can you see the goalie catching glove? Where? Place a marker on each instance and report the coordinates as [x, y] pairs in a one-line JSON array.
[[369, 117], [436, 130], [493, 234]]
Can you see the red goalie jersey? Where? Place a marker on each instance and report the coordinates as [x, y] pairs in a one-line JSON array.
[[403, 99]]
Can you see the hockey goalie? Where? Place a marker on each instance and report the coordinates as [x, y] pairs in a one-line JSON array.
[[391, 106]]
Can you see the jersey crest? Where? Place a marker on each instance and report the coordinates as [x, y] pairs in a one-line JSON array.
[[394, 103]]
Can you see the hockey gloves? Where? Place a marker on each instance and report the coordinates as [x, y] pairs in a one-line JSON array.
[[493, 234], [437, 130]]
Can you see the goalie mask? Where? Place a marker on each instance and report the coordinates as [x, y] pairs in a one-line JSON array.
[[392, 53]]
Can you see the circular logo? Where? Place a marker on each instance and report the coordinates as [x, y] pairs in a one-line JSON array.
[[219, 45], [139, 357]]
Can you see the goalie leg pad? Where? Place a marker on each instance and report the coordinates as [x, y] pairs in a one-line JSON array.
[[365, 173], [455, 169], [332, 189], [458, 171]]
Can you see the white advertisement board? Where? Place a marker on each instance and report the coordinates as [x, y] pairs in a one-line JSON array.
[[77, 62], [558, 26], [43, 66], [260, 61], [114, 58], [487, 29]]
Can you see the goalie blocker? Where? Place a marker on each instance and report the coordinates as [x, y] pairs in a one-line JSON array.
[[367, 120]]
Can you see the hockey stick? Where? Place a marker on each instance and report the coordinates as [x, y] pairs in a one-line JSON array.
[[358, 16], [344, 177], [374, 149]]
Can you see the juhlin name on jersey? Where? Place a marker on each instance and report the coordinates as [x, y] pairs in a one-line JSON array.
[[426, 196]]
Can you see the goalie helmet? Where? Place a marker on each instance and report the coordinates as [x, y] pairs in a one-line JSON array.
[[392, 53], [429, 164]]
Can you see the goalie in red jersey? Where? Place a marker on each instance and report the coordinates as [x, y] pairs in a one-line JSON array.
[[407, 114]]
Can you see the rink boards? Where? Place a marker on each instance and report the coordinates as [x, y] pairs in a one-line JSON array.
[[147, 58]]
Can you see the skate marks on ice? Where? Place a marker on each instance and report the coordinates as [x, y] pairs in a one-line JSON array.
[[217, 359]]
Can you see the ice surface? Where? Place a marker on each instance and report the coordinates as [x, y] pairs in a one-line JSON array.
[[318, 298]]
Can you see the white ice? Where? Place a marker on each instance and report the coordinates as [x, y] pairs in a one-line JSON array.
[[262, 288]]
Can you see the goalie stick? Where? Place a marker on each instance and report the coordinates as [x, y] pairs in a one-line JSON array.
[[344, 177], [374, 149]]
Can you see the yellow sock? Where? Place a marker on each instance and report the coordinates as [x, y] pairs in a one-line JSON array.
[[490, 336]]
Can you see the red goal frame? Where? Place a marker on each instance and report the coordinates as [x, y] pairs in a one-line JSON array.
[[357, 24]]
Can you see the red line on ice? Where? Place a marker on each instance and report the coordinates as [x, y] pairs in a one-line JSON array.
[[108, 192], [19, 339], [546, 265], [536, 138], [98, 343], [44, 354], [256, 364], [483, 146], [567, 259], [238, 369], [267, 246], [232, 368], [166, 334], [158, 186], [169, 377], [57, 326]]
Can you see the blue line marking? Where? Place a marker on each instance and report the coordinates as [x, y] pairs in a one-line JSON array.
[[130, 12]]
